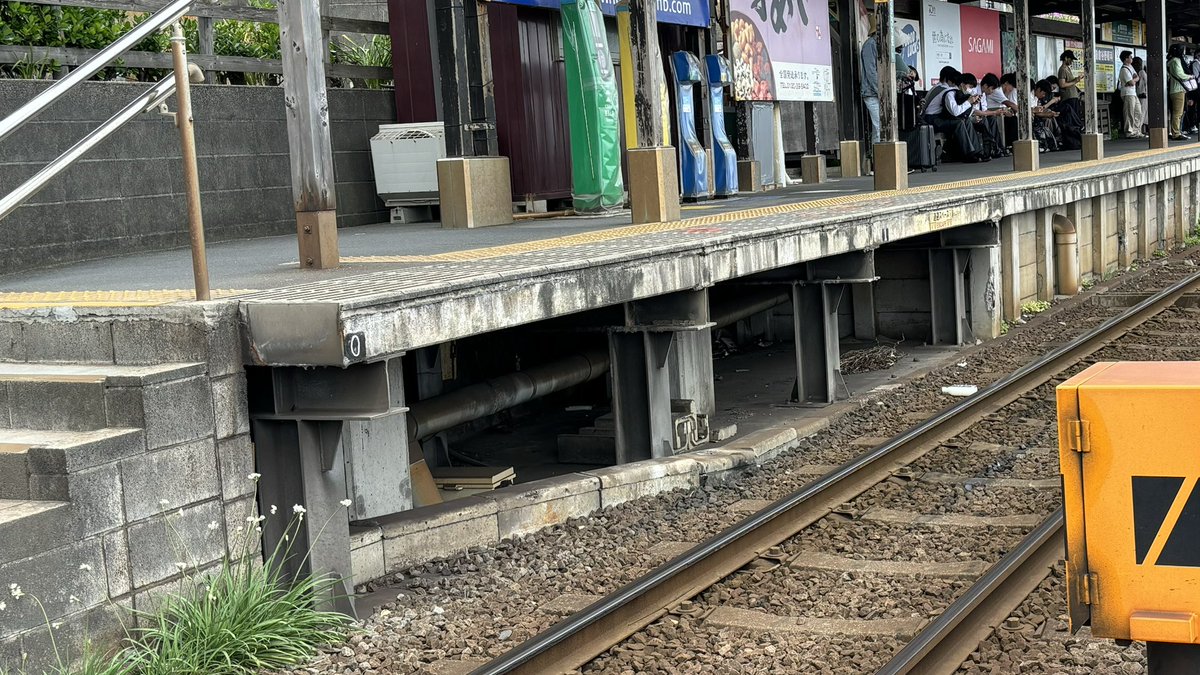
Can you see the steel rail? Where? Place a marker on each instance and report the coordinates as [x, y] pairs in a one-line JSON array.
[[590, 632], [157, 21], [943, 645]]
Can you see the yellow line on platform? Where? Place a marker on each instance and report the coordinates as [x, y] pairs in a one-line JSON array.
[[472, 255], [42, 299]]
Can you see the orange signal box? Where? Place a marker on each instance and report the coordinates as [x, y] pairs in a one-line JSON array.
[[1129, 450]]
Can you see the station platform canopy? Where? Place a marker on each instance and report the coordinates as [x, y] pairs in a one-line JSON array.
[[1183, 17]]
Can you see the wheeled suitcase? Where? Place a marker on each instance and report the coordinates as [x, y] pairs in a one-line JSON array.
[[922, 148]]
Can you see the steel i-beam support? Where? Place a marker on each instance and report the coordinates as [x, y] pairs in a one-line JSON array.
[[947, 296], [642, 379]]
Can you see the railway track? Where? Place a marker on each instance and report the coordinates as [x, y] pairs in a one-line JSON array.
[[943, 643]]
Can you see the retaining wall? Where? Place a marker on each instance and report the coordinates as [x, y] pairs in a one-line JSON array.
[[127, 194]]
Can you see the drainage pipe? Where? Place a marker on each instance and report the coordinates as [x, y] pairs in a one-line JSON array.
[[1066, 255], [437, 414]]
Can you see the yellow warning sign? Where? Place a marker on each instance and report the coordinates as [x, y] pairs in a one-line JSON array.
[[1129, 449]]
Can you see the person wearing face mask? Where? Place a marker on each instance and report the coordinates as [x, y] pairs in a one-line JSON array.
[[948, 109]]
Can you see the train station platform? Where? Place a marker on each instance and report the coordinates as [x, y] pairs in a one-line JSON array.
[[407, 286]]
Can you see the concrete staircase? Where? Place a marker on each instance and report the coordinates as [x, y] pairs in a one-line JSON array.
[[111, 473]]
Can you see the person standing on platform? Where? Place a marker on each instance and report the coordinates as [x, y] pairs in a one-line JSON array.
[[1143, 88], [1068, 81], [1177, 90], [869, 87], [1132, 108], [1193, 97]]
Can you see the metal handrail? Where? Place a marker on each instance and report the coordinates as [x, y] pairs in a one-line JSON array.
[[147, 100], [84, 71], [177, 84]]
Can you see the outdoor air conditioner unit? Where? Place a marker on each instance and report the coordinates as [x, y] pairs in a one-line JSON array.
[[405, 159]]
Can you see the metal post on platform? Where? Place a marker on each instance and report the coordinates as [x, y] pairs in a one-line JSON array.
[[1093, 142], [1156, 68], [191, 176], [1025, 148]]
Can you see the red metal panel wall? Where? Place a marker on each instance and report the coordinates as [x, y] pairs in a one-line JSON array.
[[531, 100], [412, 61]]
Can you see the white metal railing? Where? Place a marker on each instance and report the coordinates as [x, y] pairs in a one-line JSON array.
[[178, 84]]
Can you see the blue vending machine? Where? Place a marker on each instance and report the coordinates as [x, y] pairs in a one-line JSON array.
[[725, 180], [693, 163]]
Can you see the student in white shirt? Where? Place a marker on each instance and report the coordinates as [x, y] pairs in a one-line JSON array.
[[1127, 80], [985, 119], [949, 110]]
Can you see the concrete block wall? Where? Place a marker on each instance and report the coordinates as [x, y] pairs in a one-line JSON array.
[[170, 485], [126, 195], [902, 302]]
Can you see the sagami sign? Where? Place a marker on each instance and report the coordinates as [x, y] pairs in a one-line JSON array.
[[967, 38], [980, 41]]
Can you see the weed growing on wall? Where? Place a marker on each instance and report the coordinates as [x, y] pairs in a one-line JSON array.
[[244, 616]]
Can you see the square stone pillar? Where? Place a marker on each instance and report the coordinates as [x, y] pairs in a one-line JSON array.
[[1010, 265], [850, 154], [985, 276], [812, 169], [316, 232], [749, 175], [1093, 147], [653, 185], [474, 192], [1025, 155], [1158, 139], [891, 166]]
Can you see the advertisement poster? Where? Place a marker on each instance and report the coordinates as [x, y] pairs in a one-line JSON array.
[[1105, 72], [682, 12], [942, 37], [781, 50], [980, 41], [911, 54]]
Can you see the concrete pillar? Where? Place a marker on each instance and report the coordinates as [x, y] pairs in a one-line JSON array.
[[985, 281], [1010, 266], [1162, 194], [1147, 231], [1093, 146], [1026, 155], [1066, 255], [863, 297], [850, 155], [690, 363], [1101, 227], [891, 166], [1080, 215], [1183, 225], [1044, 232], [749, 175], [1127, 226], [653, 185], [812, 169], [474, 192]]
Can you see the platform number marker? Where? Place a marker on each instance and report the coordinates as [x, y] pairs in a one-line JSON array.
[[1166, 520], [355, 346]]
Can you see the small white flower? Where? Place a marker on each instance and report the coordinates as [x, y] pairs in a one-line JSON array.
[[274, 509], [251, 519], [85, 567], [296, 508], [15, 591], [3, 606], [73, 599], [254, 477], [346, 503], [258, 530], [213, 525], [56, 625]]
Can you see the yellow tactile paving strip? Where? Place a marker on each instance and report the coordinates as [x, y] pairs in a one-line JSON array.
[[568, 241], [41, 299]]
